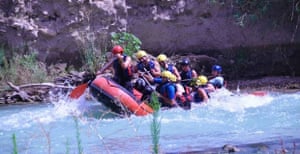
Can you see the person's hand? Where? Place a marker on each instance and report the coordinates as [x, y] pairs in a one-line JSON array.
[[140, 73], [119, 56]]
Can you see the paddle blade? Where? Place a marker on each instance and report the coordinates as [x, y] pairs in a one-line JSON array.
[[78, 91]]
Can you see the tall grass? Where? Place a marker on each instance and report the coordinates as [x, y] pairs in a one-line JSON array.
[[23, 69], [67, 147], [79, 145], [155, 124], [15, 150], [93, 57]]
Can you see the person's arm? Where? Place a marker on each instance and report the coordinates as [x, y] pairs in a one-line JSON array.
[[156, 69], [210, 87], [203, 94], [147, 77], [194, 74], [124, 63], [176, 73]]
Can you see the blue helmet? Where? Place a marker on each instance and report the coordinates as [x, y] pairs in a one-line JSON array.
[[185, 61], [217, 68]]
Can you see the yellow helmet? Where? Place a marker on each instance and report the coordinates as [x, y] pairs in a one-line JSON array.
[[140, 54], [161, 58], [166, 74], [173, 78], [201, 80]]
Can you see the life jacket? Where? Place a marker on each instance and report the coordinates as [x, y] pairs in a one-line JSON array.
[[186, 76], [164, 88], [217, 82], [184, 101], [142, 67], [122, 75]]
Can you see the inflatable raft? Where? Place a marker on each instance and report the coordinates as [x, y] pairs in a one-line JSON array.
[[117, 98]]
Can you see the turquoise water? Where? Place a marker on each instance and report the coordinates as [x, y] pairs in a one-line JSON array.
[[253, 124]]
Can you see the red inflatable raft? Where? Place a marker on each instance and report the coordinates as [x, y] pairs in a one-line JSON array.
[[117, 98]]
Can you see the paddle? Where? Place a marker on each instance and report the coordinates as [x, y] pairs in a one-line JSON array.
[[79, 90]]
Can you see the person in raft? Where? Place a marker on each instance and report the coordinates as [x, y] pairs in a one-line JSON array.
[[162, 59], [147, 64], [187, 73], [201, 90], [217, 79], [166, 88], [122, 68]]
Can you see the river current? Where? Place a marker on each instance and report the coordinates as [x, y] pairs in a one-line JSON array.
[[254, 124]]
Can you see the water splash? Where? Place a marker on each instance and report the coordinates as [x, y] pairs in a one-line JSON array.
[[27, 115], [226, 100]]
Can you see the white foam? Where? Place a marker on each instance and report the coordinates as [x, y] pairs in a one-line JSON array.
[[226, 100]]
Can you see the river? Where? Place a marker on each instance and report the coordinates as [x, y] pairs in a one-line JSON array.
[[254, 124]]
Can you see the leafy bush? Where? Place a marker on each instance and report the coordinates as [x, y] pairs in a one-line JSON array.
[[128, 41]]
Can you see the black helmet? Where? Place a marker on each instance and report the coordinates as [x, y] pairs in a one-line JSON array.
[[140, 84], [185, 61]]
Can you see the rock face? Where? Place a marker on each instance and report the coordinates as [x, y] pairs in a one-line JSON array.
[[248, 40]]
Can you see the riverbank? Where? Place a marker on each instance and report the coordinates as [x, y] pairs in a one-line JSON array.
[[271, 83]]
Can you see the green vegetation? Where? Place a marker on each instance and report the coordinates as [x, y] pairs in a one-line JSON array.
[[2, 56], [155, 125], [80, 148], [129, 41], [248, 11], [92, 57], [27, 65], [14, 144], [67, 147]]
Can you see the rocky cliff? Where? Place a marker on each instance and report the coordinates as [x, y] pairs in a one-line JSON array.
[[249, 39]]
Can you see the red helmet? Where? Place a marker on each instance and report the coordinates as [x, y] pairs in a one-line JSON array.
[[117, 49]]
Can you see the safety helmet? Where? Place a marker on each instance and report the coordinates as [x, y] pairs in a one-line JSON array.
[[161, 58], [217, 68], [201, 80], [173, 78], [166, 74], [117, 49], [140, 84], [185, 61], [140, 54]]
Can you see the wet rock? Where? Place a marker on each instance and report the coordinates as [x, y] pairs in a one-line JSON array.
[[230, 148], [61, 30]]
